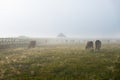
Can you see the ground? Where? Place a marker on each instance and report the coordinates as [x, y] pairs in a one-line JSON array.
[[64, 62]]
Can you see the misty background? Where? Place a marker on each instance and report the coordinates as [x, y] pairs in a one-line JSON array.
[[48, 18]]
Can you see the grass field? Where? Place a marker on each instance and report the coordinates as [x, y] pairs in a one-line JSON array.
[[60, 63]]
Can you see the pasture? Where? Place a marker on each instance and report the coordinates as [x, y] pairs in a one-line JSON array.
[[63, 62]]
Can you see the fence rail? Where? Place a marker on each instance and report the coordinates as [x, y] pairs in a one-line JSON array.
[[13, 43], [24, 43]]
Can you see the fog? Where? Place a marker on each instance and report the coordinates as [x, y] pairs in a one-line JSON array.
[[48, 18]]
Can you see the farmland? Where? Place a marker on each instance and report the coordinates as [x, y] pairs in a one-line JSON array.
[[63, 62]]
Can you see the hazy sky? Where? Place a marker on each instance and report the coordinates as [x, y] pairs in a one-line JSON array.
[[79, 18]]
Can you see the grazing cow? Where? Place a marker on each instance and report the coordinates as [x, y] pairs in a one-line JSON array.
[[97, 45], [32, 44], [89, 45]]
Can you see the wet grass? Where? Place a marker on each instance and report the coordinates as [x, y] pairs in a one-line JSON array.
[[60, 63]]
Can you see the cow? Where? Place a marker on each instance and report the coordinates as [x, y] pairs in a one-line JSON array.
[[32, 44], [97, 45], [89, 45]]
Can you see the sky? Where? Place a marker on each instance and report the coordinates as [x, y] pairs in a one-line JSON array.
[[48, 18]]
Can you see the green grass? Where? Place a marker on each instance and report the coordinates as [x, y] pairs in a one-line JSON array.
[[60, 63]]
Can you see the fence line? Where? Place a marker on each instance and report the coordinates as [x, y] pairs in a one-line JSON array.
[[24, 43], [13, 43]]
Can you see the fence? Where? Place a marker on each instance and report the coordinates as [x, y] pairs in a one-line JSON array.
[[13, 43], [24, 43]]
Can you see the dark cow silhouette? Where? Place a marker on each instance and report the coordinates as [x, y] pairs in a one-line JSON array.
[[32, 44], [89, 45], [97, 45]]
